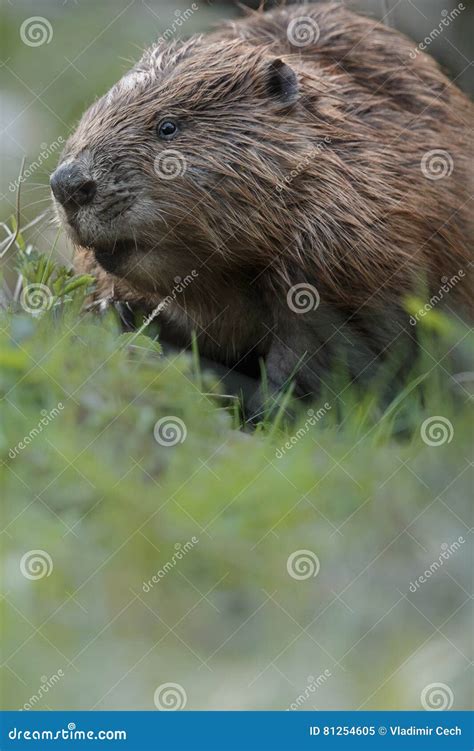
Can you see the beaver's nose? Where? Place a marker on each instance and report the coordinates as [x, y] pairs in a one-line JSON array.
[[71, 186]]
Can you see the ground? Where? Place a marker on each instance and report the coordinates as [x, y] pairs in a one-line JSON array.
[[148, 540]]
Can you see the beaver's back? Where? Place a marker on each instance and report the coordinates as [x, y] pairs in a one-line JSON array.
[[391, 193], [377, 58], [387, 201]]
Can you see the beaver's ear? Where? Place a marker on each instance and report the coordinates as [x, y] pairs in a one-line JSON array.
[[282, 81]]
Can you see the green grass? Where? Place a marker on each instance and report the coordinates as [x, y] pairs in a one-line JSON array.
[[110, 506]]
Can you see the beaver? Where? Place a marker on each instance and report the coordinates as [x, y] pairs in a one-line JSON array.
[[304, 169]]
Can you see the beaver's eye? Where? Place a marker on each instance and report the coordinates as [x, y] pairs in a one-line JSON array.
[[167, 129]]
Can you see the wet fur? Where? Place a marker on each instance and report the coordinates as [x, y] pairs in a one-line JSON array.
[[359, 221]]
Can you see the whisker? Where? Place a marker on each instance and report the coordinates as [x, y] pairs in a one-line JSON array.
[[33, 203]]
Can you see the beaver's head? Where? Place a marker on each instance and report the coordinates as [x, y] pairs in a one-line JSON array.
[[181, 158]]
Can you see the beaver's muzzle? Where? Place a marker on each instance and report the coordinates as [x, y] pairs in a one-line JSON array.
[[72, 187]]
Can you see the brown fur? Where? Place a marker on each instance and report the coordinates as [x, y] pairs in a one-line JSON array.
[[358, 219]]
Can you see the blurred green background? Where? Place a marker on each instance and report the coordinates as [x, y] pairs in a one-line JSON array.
[[111, 507]]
